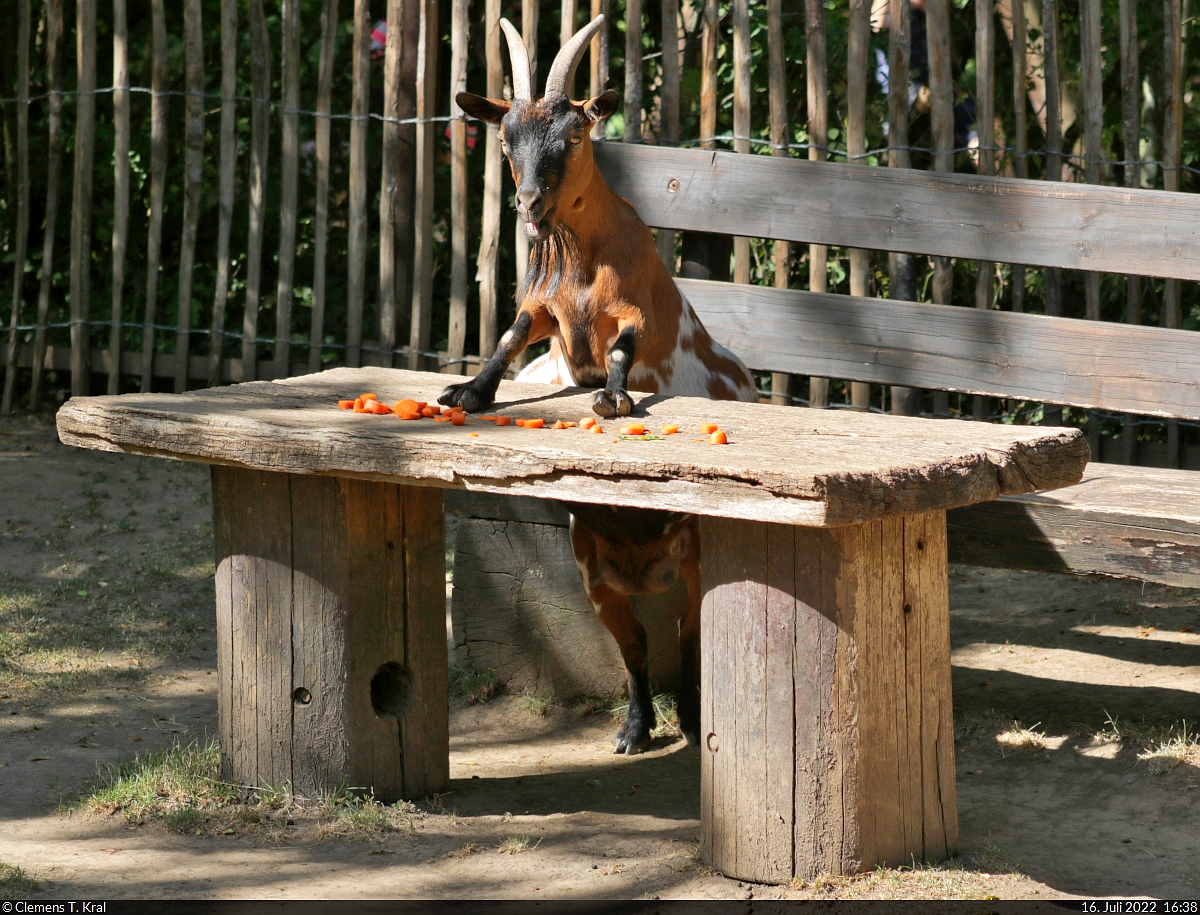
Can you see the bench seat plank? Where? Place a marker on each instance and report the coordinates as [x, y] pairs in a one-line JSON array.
[[1010, 220], [1095, 364], [819, 468], [1129, 522]]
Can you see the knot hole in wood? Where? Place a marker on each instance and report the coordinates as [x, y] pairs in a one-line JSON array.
[[393, 689], [301, 696]]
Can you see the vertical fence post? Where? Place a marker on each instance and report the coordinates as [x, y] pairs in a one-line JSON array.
[[566, 28], [633, 69], [941, 92], [904, 400], [741, 118], [710, 42], [193, 159], [21, 242], [856, 151], [289, 174], [1093, 121], [818, 139], [1052, 415], [120, 231], [489, 241], [598, 65], [356, 268], [458, 183], [422, 308], [985, 45], [81, 202], [260, 145], [1173, 47], [669, 102], [329, 20], [1020, 139], [1131, 134], [389, 181], [229, 36]]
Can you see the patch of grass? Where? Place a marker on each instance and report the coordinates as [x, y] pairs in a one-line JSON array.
[[463, 851], [1018, 737], [536, 705], [477, 687], [1172, 748], [513, 845], [14, 884], [587, 706], [161, 785], [363, 819]]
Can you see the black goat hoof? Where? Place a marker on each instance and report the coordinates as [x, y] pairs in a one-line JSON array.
[[467, 396], [612, 403], [633, 737]]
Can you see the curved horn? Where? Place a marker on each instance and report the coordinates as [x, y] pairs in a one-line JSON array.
[[568, 56], [519, 55]]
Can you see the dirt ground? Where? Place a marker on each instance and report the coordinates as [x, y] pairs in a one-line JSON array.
[[1069, 699]]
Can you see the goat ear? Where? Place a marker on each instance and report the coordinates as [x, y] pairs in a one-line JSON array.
[[602, 106], [491, 110]]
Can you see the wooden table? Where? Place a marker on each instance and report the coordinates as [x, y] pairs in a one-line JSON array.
[[826, 706]]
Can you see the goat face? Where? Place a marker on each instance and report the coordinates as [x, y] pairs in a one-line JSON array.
[[549, 151]]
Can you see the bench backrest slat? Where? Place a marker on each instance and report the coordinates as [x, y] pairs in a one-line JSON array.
[[1147, 370], [1106, 229]]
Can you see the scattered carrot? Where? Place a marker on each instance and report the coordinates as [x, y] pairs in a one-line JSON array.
[[475, 434], [459, 419], [633, 429], [518, 422], [368, 396], [345, 404], [503, 420], [422, 404], [534, 423], [670, 430], [587, 422], [358, 405], [489, 418], [428, 411], [562, 424], [595, 429], [709, 428], [718, 438], [408, 414], [406, 406], [374, 406]]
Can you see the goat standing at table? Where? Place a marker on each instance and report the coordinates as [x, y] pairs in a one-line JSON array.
[[616, 320]]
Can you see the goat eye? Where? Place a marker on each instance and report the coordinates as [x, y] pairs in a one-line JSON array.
[[576, 140]]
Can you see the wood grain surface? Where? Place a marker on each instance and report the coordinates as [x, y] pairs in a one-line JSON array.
[[818, 468], [1115, 230]]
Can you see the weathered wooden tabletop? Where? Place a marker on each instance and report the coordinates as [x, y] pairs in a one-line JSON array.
[[819, 468]]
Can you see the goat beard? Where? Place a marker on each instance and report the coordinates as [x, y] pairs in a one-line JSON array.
[[552, 260]]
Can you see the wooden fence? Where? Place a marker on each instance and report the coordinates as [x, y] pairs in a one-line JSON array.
[[353, 227]]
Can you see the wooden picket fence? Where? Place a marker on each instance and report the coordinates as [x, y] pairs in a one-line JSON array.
[[417, 104]]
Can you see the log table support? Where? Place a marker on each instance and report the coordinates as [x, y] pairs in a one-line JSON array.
[[331, 633], [826, 723]]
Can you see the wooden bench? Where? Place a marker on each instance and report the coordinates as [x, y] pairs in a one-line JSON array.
[[826, 721], [1132, 522]]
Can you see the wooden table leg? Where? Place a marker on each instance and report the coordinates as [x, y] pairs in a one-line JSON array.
[[331, 629], [826, 723]]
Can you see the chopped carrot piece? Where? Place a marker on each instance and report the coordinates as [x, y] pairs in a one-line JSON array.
[[368, 396], [587, 422], [427, 412], [670, 430], [408, 414], [596, 429], [442, 419], [562, 424], [709, 428], [459, 419], [518, 422], [718, 438], [379, 409], [407, 406], [358, 405], [633, 429], [489, 418], [534, 423], [503, 420], [422, 404], [476, 434], [345, 404]]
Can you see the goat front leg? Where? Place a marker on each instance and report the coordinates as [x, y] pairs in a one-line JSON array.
[[532, 325], [613, 399]]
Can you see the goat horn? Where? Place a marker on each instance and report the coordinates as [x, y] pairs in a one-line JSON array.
[[519, 55], [568, 56]]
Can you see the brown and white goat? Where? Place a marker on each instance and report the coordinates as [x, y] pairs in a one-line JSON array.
[[596, 287]]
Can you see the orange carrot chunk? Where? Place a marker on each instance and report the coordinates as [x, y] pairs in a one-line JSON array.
[[368, 396], [422, 404], [459, 419], [358, 405], [708, 428], [379, 409], [718, 438], [345, 404], [503, 420], [427, 412], [633, 429], [534, 423], [596, 429], [587, 422], [670, 430], [442, 419], [406, 406]]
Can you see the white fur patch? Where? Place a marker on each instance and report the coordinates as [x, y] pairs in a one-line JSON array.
[[550, 368]]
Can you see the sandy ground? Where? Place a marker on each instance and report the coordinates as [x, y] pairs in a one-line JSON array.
[[106, 651]]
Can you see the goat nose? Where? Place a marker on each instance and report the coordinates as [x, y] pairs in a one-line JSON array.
[[529, 199]]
